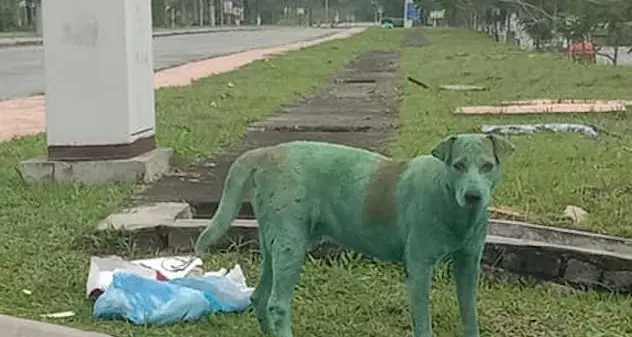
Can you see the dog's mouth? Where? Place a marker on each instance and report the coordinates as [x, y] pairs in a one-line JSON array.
[[470, 200]]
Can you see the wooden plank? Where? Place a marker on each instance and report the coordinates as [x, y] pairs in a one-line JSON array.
[[540, 109], [565, 101], [462, 87]]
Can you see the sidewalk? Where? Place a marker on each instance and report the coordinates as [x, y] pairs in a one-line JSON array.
[[26, 116], [26, 39]]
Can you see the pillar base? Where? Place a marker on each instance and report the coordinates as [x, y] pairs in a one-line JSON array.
[[102, 152], [146, 167]]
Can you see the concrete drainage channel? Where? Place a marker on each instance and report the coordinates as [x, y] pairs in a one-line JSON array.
[[358, 108], [576, 258]]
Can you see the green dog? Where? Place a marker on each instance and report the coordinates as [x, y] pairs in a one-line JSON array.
[[418, 212]]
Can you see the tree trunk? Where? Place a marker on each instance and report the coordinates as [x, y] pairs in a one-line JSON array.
[[211, 12]]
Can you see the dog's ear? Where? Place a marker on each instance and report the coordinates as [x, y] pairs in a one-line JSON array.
[[443, 150], [502, 147]]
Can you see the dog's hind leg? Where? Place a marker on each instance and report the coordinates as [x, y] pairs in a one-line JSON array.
[[288, 248], [262, 292]]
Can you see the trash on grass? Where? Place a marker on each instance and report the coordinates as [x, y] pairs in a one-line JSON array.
[[462, 87], [418, 82], [27, 292], [161, 268], [171, 267], [505, 211], [575, 213], [564, 101], [63, 314], [541, 108], [167, 290], [102, 270], [588, 130]]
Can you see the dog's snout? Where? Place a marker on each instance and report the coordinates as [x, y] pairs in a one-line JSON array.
[[472, 197]]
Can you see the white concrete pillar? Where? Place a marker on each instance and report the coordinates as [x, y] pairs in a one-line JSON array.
[[409, 10], [99, 78]]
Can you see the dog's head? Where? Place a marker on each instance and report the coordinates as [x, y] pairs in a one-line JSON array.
[[473, 165]]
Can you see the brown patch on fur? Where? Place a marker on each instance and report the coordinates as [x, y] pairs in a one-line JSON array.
[[271, 157], [379, 200]]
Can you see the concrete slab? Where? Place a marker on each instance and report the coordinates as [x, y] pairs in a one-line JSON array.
[[146, 216], [325, 123], [340, 106], [146, 168], [18, 327]]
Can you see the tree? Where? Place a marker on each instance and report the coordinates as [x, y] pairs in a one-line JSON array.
[[544, 20]]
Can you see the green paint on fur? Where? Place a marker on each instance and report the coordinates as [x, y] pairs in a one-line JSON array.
[[417, 212]]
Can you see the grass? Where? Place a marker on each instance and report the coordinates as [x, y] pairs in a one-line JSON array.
[[548, 171], [359, 298], [349, 297]]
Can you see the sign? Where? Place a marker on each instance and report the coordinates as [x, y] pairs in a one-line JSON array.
[[412, 12], [437, 15]]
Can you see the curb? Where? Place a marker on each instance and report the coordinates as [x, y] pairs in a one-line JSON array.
[[581, 259], [36, 41], [19, 327]]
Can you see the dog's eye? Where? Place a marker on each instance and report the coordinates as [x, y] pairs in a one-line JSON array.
[[487, 167], [459, 167]]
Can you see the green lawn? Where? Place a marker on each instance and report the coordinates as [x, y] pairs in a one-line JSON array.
[[548, 171], [353, 298]]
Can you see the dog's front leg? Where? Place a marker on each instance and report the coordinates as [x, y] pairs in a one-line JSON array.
[[466, 274], [419, 271]]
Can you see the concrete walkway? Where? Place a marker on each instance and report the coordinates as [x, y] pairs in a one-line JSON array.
[[26, 116]]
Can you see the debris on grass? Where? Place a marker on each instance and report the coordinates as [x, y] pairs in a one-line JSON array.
[[144, 300], [462, 87], [506, 212], [588, 130], [564, 101], [575, 213], [418, 82], [102, 270], [541, 108], [63, 314]]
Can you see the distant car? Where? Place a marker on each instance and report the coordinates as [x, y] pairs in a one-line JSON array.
[[390, 22]]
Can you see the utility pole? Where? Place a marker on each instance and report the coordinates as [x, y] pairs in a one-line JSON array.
[[221, 10], [201, 7], [211, 14], [327, 11]]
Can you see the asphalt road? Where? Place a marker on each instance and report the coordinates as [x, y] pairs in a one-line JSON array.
[[22, 68]]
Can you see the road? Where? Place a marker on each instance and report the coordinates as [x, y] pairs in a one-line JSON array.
[[624, 58], [22, 68]]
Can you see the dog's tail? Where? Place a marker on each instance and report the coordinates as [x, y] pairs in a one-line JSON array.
[[238, 180]]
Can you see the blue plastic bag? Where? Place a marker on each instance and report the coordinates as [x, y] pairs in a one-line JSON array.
[[144, 301], [222, 294]]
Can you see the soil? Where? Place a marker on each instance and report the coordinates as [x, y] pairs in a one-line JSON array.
[[358, 108], [415, 38]]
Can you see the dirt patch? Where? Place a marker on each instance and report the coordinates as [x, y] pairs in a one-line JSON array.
[[358, 108], [415, 38], [333, 123], [201, 184]]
